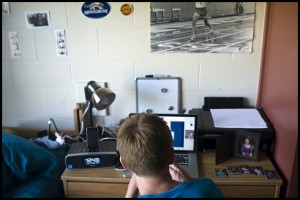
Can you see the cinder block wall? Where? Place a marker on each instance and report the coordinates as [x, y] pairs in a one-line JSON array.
[[115, 49]]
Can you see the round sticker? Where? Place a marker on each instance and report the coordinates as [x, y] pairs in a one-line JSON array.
[[126, 9], [95, 9]]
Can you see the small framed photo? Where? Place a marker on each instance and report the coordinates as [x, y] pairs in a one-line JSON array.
[[246, 145], [233, 170], [221, 172], [37, 19], [258, 170], [271, 174], [246, 169]]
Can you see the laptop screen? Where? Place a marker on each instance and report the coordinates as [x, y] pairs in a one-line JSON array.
[[183, 129]]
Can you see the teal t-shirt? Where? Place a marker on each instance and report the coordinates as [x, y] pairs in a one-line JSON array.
[[197, 188]]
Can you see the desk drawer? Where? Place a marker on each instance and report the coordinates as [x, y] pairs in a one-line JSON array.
[[96, 189], [248, 191]]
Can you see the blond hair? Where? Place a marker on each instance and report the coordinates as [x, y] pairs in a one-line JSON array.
[[144, 142]]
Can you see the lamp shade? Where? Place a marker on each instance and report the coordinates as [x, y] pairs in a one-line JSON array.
[[101, 97]]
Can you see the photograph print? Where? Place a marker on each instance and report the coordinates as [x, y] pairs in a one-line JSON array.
[[202, 27], [246, 145], [37, 19]]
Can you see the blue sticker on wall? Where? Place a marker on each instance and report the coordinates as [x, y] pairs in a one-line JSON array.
[[95, 10]]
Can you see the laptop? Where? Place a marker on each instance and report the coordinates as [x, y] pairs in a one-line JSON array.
[[184, 134]]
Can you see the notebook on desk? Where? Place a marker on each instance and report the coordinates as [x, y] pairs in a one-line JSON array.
[[184, 135]]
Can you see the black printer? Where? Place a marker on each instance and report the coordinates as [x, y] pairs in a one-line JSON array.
[[208, 133]]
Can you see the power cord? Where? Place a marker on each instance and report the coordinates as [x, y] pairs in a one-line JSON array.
[[82, 122], [52, 136], [54, 125], [64, 138]]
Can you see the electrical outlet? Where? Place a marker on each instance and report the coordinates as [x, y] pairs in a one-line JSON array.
[[81, 97]]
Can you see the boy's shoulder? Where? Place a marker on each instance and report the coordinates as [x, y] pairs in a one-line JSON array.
[[202, 181], [206, 187]]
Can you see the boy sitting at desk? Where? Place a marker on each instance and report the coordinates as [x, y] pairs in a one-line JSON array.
[[145, 146]]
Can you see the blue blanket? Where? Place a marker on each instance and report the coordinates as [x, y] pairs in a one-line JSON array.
[[31, 170]]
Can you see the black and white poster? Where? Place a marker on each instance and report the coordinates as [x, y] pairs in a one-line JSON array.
[[202, 27]]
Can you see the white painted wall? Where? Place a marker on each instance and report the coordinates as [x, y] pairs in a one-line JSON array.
[[114, 49]]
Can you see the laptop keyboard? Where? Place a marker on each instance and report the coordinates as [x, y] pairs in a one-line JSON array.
[[181, 159]]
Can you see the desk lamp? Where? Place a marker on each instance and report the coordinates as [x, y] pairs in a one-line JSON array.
[[98, 97], [87, 154]]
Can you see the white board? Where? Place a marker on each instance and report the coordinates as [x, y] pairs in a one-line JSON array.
[[158, 95]]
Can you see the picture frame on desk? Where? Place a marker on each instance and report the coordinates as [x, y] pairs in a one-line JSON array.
[[224, 146], [246, 145]]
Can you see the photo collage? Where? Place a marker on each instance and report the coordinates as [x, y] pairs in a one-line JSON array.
[[245, 169]]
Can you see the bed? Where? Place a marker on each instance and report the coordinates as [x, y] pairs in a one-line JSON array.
[[30, 169]]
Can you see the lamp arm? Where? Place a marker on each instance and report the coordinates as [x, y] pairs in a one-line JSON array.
[[82, 120]]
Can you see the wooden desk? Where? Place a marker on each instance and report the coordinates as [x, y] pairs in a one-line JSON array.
[[107, 182], [244, 185], [97, 183]]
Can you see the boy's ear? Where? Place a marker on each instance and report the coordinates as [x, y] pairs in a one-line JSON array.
[[123, 163]]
